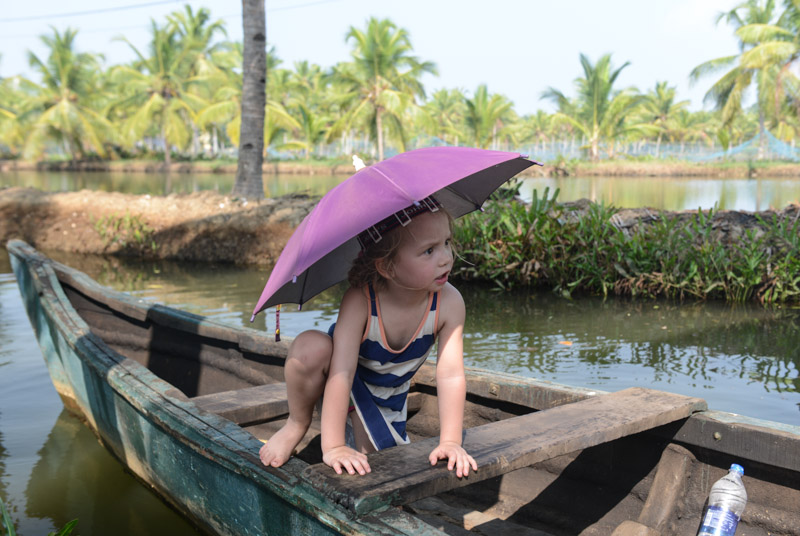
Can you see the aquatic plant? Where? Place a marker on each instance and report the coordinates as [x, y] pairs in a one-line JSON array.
[[7, 526], [586, 247]]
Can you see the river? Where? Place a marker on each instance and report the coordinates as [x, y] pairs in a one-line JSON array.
[[740, 358], [668, 193]]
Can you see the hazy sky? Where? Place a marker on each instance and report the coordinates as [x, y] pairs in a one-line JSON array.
[[518, 47]]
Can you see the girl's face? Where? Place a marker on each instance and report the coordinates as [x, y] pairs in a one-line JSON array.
[[425, 257]]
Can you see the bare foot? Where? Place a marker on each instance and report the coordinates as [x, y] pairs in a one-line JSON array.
[[280, 446]]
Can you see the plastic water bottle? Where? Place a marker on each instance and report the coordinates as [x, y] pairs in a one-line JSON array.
[[725, 504]]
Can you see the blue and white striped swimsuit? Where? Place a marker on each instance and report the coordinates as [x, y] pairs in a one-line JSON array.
[[383, 376]]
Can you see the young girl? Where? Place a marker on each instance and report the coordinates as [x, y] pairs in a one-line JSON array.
[[399, 301]]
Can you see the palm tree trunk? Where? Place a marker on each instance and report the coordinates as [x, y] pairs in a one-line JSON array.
[[167, 152], [249, 181], [379, 128], [762, 137]]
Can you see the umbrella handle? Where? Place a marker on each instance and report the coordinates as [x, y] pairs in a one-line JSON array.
[[278, 323]]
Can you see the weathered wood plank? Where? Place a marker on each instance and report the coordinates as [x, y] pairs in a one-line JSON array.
[[741, 437], [123, 303], [529, 392], [403, 474], [249, 405]]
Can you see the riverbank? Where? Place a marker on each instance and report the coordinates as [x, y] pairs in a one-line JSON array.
[[149, 166], [662, 168], [201, 226], [616, 168]]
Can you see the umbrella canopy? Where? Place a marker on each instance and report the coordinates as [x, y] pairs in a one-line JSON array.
[[322, 248]]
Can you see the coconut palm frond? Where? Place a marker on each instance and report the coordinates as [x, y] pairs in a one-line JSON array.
[[767, 54]]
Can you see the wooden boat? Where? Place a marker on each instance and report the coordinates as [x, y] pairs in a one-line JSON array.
[[184, 402]]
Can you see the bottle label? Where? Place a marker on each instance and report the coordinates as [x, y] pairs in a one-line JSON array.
[[719, 522]]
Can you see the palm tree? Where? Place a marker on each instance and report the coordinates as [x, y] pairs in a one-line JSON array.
[[65, 107], [445, 112], [660, 109], [599, 111], [382, 81], [225, 107], [308, 81], [688, 127], [313, 127], [13, 96], [537, 128], [254, 99], [486, 116], [197, 34], [156, 91], [307, 88], [775, 49], [750, 19]]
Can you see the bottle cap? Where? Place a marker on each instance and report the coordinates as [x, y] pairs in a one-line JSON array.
[[737, 468]]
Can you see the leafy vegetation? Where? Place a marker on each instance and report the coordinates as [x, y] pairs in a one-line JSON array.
[[128, 230], [571, 248], [7, 526], [181, 98]]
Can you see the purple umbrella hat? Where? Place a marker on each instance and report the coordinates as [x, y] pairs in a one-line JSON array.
[[320, 251]]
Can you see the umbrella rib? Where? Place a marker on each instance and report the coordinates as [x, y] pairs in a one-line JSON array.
[[391, 181], [303, 289]]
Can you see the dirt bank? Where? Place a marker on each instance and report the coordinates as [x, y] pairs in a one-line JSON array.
[[136, 166], [732, 170], [200, 226]]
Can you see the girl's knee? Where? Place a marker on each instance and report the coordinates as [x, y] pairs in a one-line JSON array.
[[312, 349]]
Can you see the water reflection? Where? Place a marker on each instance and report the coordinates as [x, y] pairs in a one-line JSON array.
[[140, 183], [672, 193], [668, 193], [52, 469], [75, 477], [3, 456], [739, 357]]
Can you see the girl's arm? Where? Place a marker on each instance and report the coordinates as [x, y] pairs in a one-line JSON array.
[[336, 398], [451, 384]]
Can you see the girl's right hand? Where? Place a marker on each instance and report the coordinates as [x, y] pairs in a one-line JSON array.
[[346, 458]]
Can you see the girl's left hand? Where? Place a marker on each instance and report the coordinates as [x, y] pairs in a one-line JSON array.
[[456, 457]]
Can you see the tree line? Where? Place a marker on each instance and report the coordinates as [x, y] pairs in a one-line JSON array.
[[184, 91]]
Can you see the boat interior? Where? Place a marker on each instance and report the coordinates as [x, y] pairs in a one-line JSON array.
[[651, 479]]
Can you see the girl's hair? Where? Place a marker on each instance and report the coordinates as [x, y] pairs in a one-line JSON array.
[[364, 270]]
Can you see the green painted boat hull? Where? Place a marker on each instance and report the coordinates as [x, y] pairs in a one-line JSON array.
[[205, 466]]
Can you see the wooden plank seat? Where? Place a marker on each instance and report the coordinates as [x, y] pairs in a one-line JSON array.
[[403, 474], [249, 405]]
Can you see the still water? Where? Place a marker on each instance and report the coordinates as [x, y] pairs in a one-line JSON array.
[[739, 358], [668, 193]]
